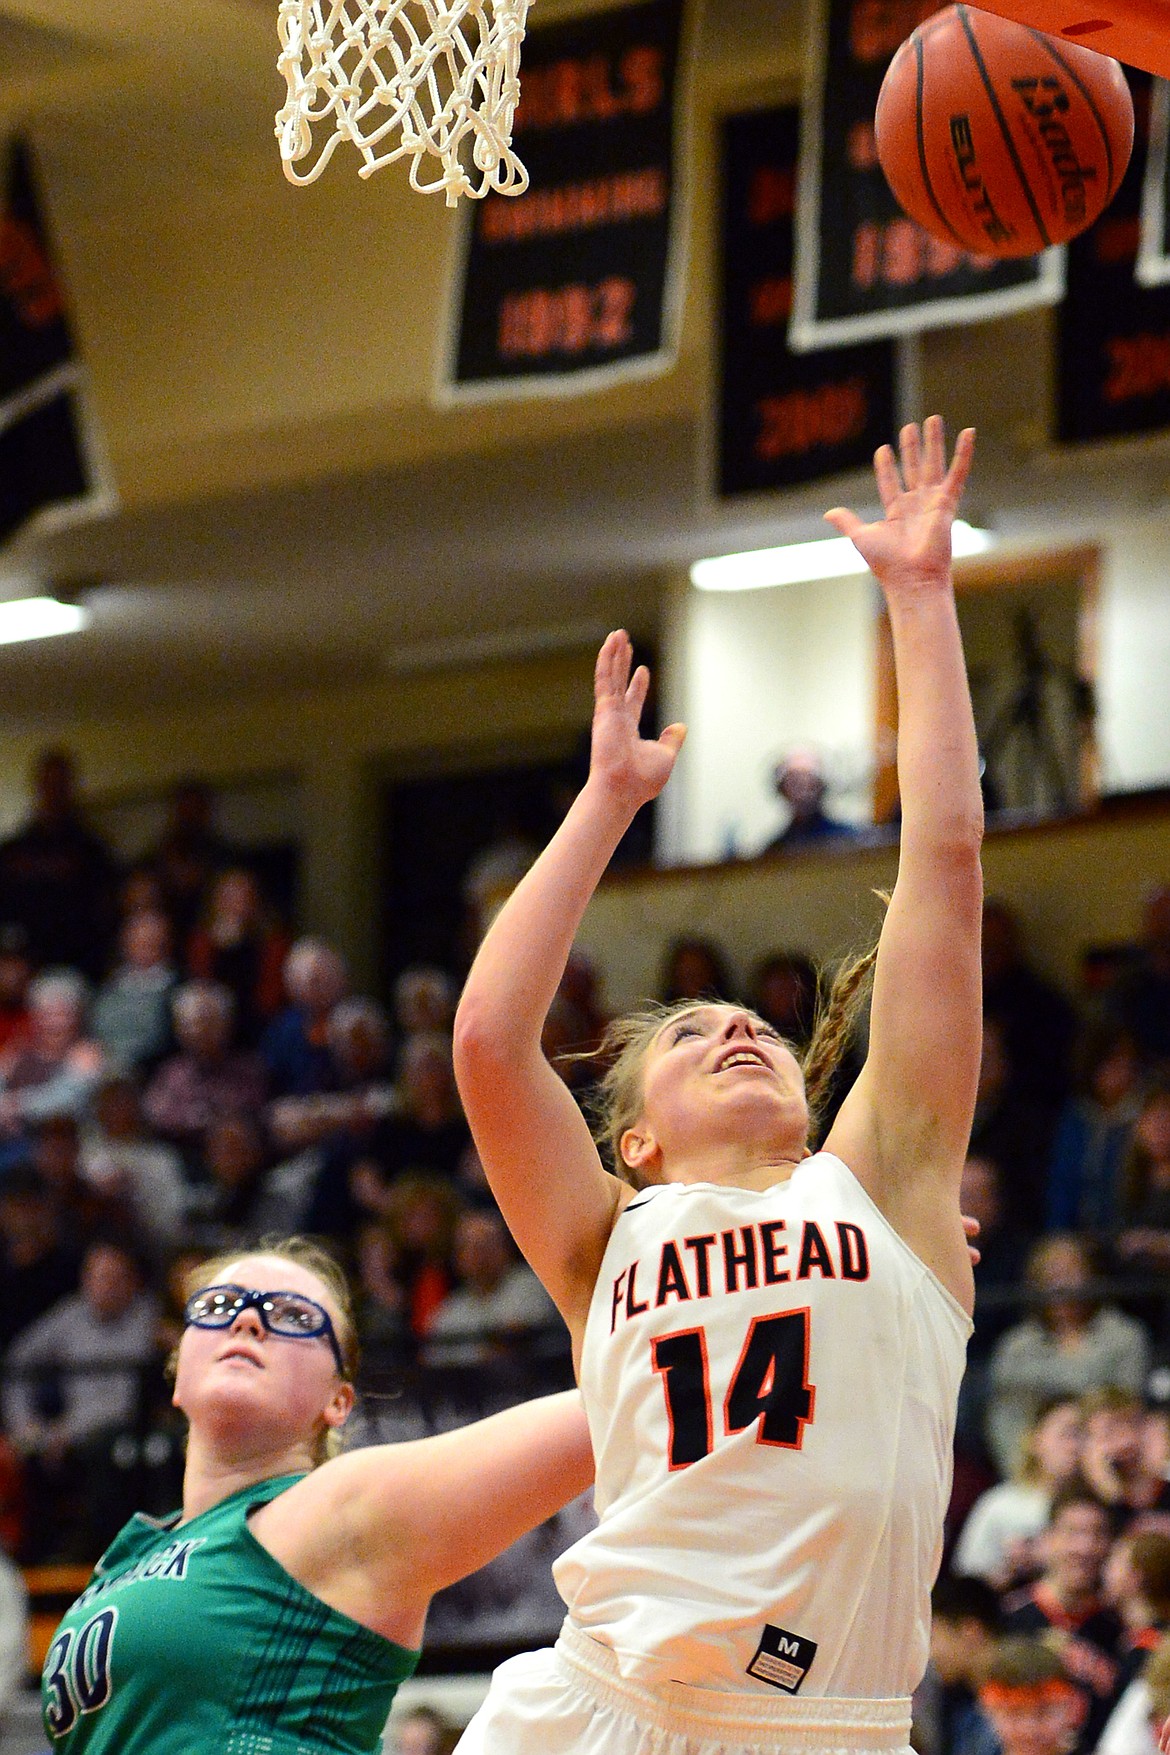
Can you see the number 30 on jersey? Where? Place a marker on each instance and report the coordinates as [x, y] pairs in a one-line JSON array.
[[769, 1385]]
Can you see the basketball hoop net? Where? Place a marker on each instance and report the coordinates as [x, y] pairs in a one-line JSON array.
[[424, 79]]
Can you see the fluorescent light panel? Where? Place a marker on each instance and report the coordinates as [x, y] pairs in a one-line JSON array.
[[38, 618], [798, 562]]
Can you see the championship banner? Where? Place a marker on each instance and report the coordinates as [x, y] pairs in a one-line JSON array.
[[46, 470], [1153, 260], [785, 418], [863, 269], [1114, 335], [577, 282]]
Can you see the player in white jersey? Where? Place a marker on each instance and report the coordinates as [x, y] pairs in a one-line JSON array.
[[769, 1342]]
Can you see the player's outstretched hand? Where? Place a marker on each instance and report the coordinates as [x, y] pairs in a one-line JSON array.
[[911, 545], [631, 768]]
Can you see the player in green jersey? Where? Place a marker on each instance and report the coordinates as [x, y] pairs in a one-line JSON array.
[[277, 1612]]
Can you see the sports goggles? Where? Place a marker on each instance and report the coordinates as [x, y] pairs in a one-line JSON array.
[[290, 1315]]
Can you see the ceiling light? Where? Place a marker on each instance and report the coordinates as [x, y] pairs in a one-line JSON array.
[[797, 562], [37, 618]]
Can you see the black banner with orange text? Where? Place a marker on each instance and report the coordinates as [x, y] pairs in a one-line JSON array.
[[576, 281], [785, 417], [863, 269]]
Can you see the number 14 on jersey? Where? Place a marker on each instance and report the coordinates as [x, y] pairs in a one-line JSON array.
[[769, 1385]]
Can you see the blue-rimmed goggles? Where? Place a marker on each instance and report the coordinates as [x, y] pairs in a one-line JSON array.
[[290, 1315]]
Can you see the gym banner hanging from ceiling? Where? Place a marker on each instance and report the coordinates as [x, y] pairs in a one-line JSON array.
[[577, 282], [863, 269]]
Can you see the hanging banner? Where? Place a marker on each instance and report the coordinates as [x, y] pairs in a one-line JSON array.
[[785, 417], [577, 282], [863, 269], [1114, 335], [1153, 260], [47, 467]]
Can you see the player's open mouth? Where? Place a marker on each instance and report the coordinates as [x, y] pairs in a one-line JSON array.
[[743, 1057]]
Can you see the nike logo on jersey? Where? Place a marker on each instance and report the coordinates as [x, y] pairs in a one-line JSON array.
[[739, 1260]]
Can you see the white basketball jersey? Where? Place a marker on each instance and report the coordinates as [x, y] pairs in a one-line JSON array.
[[770, 1380]]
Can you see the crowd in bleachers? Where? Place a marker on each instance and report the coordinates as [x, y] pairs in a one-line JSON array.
[[180, 1076]]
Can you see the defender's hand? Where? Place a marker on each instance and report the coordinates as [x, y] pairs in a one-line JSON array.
[[630, 767], [912, 543]]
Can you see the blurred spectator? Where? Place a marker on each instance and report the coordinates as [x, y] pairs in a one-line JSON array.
[[239, 945], [207, 1078], [16, 972], [498, 1299], [799, 782], [1141, 1711], [1066, 1605], [948, 1719], [39, 1262], [189, 854], [360, 1092], [1003, 1248], [56, 1068], [1116, 1460], [54, 1151], [1141, 1000], [1071, 1344], [573, 1029], [420, 1214], [493, 873], [228, 1206], [1014, 1129], [1137, 1583], [424, 1000], [141, 892], [295, 1045], [1093, 1135], [57, 878], [783, 991], [695, 968], [1145, 1241], [999, 1541], [1033, 1708], [132, 1012], [122, 1161], [421, 1730], [380, 1298], [1037, 1021]]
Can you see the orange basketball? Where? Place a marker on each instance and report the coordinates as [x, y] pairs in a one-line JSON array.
[[998, 138]]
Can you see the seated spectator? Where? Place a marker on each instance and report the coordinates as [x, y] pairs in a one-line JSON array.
[[207, 1078], [1015, 1130], [1067, 1607], [380, 1297], [361, 1092], [1140, 1002], [125, 1163], [1116, 1460], [57, 1068], [1003, 1249], [75, 1376], [1137, 1583], [1093, 1135], [57, 878], [16, 971], [189, 854], [141, 892], [230, 1206], [1032, 1706], [948, 1719], [1142, 1710], [800, 783], [1145, 1240], [239, 945], [420, 1214], [1000, 1539], [783, 990], [54, 1151], [1071, 1344], [424, 1000], [40, 1261], [497, 1301], [1038, 1023], [295, 1045], [695, 968], [132, 1012]]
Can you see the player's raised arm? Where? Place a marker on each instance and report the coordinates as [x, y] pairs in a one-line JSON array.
[[536, 1149], [904, 1127]]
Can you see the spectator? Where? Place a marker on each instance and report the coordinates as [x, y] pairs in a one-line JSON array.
[[39, 1262], [241, 947], [55, 1154], [1093, 1134], [1067, 1607], [57, 878], [228, 1208], [1137, 1583], [799, 782], [1003, 1250], [16, 972], [784, 989], [380, 1302], [132, 1012], [420, 1213], [424, 1000], [123, 1162], [1141, 1000], [493, 873], [1026, 1694], [295, 1045], [498, 1301], [1038, 1023], [1142, 1710], [360, 1091], [1000, 1539], [964, 1625], [695, 968], [189, 854], [207, 1078], [57, 1069], [422, 1731], [1071, 1344], [1145, 1240], [1014, 1129], [1116, 1460]]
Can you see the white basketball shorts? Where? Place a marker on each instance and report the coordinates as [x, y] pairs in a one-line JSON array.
[[571, 1700]]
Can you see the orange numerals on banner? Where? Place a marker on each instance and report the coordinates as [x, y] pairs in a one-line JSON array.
[[900, 253], [770, 301], [1139, 365], [567, 319], [26, 275], [878, 27], [592, 89], [802, 419], [771, 195]]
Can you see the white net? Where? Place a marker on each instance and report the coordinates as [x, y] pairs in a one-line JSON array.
[[428, 80]]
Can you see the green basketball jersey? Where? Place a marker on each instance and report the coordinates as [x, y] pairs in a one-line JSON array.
[[195, 1641]]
